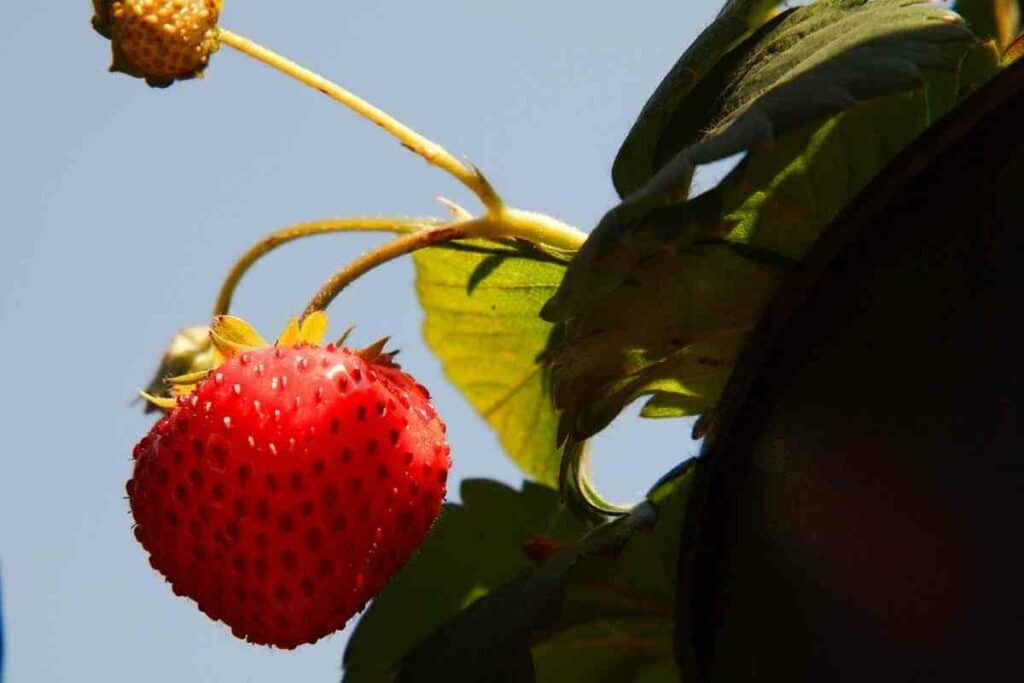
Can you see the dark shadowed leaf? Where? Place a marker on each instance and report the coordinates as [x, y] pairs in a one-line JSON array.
[[804, 67], [475, 547], [481, 304], [610, 650], [662, 297], [679, 109], [858, 499], [598, 610], [683, 340]]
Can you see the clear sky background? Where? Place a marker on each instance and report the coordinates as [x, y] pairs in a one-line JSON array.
[[122, 208]]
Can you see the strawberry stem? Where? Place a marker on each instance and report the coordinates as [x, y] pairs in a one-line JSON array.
[[406, 244], [434, 153], [308, 229], [499, 223], [416, 233], [538, 228], [506, 224]]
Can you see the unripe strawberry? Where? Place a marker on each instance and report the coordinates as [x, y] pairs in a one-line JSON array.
[[190, 351], [159, 40], [287, 487]]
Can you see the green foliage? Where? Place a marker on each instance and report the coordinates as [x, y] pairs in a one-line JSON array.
[[661, 298], [610, 595], [664, 116], [658, 303], [474, 548], [798, 69], [481, 303]]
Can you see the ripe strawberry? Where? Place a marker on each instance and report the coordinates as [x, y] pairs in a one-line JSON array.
[[287, 487], [159, 40]]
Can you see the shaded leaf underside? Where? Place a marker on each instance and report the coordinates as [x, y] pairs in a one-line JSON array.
[[660, 299], [637, 159]]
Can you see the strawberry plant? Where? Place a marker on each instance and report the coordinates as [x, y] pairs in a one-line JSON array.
[[290, 484]]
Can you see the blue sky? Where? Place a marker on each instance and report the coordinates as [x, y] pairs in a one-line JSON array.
[[124, 206]]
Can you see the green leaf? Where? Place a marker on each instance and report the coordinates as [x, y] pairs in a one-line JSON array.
[[666, 404], [806, 66], [661, 298], [611, 650], [599, 610], [995, 19], [474, 547], [678, 111], [482, 306]]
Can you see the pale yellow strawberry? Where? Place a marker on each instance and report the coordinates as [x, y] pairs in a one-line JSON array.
[[159, 40]]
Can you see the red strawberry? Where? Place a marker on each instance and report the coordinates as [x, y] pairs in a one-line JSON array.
[[288, 486]]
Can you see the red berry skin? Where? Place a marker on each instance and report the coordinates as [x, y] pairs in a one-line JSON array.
[[288, 487]]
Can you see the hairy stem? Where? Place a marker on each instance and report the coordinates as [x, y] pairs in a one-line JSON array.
[[301, 230], [507, 224], [526, 225], [499, 223], [428, 149], [400, 246]]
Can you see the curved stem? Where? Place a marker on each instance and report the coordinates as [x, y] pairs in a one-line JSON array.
[[508, 223], [527, 225], [428, 149], [367, 262], [294, 232]]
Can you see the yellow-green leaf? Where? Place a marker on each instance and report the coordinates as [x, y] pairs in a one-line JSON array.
[[482, 303]]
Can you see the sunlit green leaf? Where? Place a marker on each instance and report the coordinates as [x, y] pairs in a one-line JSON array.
[[482, 304]]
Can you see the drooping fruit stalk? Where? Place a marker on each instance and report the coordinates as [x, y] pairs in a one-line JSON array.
[[401, 226], [120, 21], [434, 153]]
